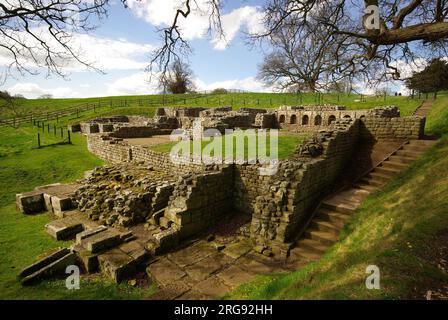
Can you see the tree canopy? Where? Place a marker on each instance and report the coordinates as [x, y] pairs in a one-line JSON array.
[[431, 79]]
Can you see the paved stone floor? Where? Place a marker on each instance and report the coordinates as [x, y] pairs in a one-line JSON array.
[[201, 271]]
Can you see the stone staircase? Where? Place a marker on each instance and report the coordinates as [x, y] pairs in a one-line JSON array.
[[333, 212], [422, 111]]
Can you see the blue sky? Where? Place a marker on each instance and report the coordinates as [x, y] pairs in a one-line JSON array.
[[122, 43]]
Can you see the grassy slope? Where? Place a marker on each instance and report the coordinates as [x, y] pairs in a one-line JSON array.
[[392, 230], [236, 100]]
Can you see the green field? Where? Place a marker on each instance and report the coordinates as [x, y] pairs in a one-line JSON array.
[[216, 146], [22, 238], [147, 104]]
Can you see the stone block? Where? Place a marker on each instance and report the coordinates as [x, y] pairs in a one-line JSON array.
[[30, 202], [55, 268], [117, 265], [63, 229], [88, 233], [46, 260], [101, 241], [167, 239], [60, 204]]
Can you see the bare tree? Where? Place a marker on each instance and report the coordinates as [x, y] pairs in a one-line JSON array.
[[178, 78], [377, 32], [309, 57], [37, 33], [174, 46]]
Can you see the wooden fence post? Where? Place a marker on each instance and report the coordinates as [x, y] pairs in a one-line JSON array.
[[69, 137], [38, 140]]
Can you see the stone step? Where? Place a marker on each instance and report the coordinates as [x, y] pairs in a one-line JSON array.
[[347, 200], [366, 187], [325, 226], [304, 254], [409, 153], [88, 233], [353, 195], [372, 181], [354, 192], [325, 238], [101, 241], [417, 148], [378, 176], [64, 229], [339, 206], [394, 165], [312, 245], [427, 143], [339, 219], [401, 159], [124, 261], [387, 171]]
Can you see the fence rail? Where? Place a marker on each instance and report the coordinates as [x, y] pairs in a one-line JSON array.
[[207, 99]]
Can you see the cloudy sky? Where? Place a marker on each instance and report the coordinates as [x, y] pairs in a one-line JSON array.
[[122, 44]]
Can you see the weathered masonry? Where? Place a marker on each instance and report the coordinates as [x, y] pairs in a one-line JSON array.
[[277, 203], [143, 204]]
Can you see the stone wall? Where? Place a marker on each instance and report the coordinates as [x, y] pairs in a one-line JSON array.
[[279, 203], [127, 132], [199, 200], [382, 128], [115, 150]]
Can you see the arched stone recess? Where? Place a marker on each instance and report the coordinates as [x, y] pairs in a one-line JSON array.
[[293, 119]]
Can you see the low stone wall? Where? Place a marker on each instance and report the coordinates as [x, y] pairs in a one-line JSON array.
[[127, 132], [115, 150], [382, 128]]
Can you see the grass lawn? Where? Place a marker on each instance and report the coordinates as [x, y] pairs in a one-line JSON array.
[[148, 103], [286, 146], [393, 229]]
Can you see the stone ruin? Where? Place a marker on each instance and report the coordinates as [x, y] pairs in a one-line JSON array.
[[140, 205]]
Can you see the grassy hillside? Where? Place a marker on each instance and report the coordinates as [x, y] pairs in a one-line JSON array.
[[148, 103], [401, 229]]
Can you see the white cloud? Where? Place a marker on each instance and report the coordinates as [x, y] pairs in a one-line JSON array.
[[247, 17], [33, 90], [103, 53], [139, 83], [134, 84], [407, 68], [246, 84], [161, 13]]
